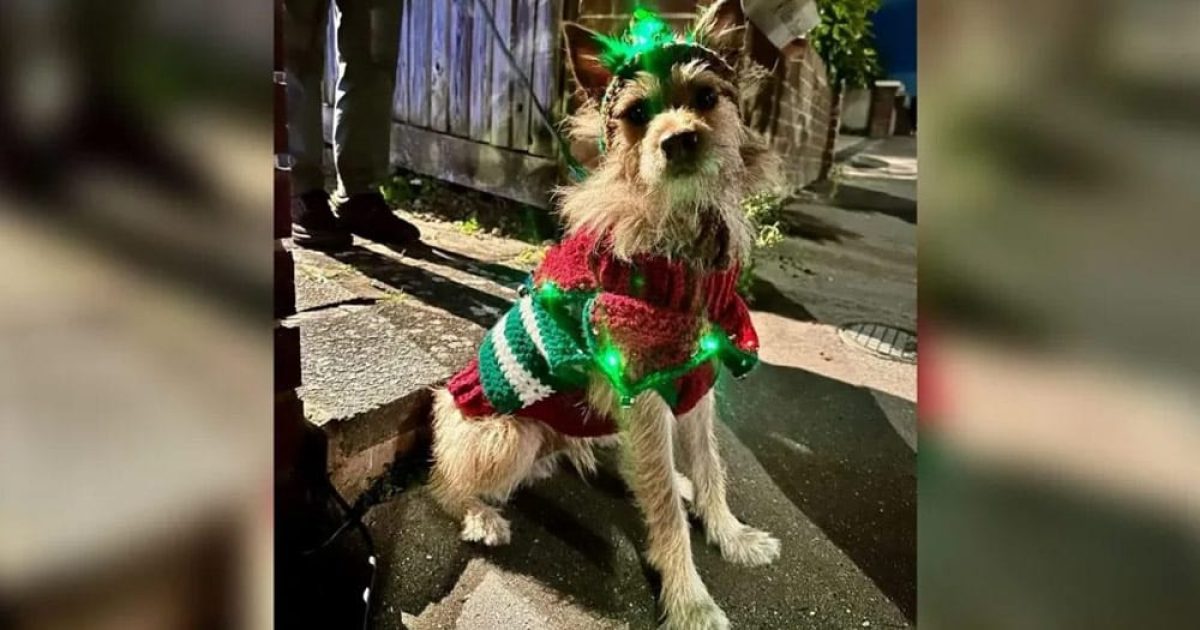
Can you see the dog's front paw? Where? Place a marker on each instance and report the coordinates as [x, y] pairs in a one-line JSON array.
[[487, 527], [699, 615], [748, 546]]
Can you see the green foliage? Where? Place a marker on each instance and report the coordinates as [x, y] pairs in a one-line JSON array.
[[470, 227], [762, 207], [768, 236], [763, 210], [400, 191], [531, 256], [845, 39]]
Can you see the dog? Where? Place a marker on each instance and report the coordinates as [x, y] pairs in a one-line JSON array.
[[618, 339]]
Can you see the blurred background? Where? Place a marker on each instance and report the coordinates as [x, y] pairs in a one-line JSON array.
[[1060, 462], [1059, 476], [135, 369]]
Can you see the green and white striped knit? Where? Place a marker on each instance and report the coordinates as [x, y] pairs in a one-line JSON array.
[[528, 355]]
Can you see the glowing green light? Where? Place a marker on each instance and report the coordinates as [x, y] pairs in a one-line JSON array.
[[550, 291], [648, 28], [647, 31], [710, 342], [638, 282], [610, 358]]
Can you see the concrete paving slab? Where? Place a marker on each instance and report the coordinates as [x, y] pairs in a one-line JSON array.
[[315, 292], [381, 323], [494, 604], [380, 326], [488, 597], [322, 282], [354, 362]]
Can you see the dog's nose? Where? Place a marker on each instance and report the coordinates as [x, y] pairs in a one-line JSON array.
[[681, 145]]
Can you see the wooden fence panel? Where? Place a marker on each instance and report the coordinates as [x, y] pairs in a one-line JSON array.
[[461, 38], [418, 82], [501, 102], [439, 67], [482, 43], [545, 72], [522, 44], [400, 97], [511, 174], [453, 77]]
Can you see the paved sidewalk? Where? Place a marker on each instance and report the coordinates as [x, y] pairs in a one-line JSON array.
[[848, 144], [852, 257]]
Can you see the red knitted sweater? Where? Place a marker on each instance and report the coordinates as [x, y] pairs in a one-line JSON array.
[[653, 308]]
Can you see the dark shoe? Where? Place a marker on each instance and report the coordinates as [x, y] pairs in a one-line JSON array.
[[313, 225], [369, 216]]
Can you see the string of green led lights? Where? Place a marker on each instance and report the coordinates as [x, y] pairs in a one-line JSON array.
[[609, 359]]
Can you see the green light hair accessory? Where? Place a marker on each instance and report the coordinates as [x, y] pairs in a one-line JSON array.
[[647, 32], [648, 44]]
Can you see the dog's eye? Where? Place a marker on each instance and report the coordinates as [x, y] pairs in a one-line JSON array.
[[705, 99], [637, 114]]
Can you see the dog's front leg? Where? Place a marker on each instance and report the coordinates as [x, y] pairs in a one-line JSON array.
[[650, 469], [698, 445]]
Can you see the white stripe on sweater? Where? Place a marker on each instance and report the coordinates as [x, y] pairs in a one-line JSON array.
[[529, 319], [528, 388]]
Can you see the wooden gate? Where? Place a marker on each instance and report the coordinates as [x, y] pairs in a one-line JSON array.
[[461, 112]]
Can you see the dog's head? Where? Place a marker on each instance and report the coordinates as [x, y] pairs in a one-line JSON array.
[[675, 158]]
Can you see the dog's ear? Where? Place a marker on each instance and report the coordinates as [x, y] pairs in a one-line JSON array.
[[721, 26], [583, 51]]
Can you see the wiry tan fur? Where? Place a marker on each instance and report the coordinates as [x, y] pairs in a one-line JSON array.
[[634, 196], [631, 193]]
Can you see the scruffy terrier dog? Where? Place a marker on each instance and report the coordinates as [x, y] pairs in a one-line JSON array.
[[624, 324]]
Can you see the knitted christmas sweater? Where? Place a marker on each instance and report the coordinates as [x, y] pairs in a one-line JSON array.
[[646, 324]]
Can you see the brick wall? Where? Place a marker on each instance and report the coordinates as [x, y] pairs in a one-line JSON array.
[[800, 130], [791, 107], [609, 16]]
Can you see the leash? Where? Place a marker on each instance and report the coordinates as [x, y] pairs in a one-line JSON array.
[[577, 170]]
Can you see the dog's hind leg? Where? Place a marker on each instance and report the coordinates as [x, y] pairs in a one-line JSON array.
[[543, 468], [650, 469], [581, 453], [702, 461], [555, 448], [476, 460]]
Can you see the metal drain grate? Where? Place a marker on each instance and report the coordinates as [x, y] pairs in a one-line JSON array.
[[881, 340]]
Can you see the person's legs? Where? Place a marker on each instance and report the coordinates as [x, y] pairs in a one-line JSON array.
[[304, 38], [313, 224], [367, 47], [368, 40]]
